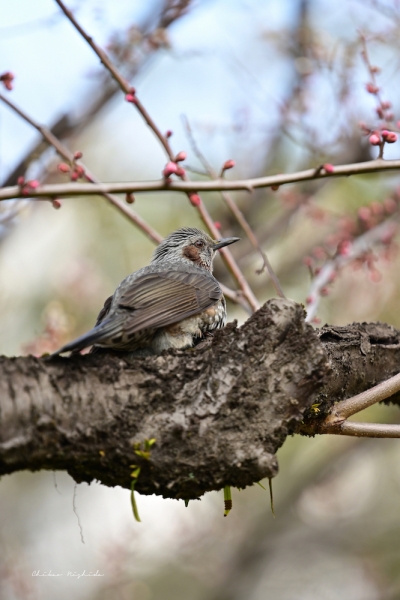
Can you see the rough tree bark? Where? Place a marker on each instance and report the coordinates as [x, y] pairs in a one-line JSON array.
[[218, 413]]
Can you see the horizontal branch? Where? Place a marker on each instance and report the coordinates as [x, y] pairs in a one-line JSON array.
[[160, 185], [374, 430], [218, 413]]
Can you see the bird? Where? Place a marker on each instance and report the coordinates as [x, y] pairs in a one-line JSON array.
[[174, 302]]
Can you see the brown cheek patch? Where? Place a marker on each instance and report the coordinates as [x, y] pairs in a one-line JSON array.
[[192, 253]]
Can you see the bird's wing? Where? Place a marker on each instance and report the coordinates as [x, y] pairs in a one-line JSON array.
[[163, 298]]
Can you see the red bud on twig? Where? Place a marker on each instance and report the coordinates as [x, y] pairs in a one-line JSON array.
[[228, 164], [7, 79], [194, 199], [371, 88], [374, 139], [389, 136], [56, 203], [180, 157], [170, 169]]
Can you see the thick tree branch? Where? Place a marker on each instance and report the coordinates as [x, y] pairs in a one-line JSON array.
[[219, 185], [218, 414]]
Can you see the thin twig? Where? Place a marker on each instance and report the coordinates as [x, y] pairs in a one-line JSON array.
[[160, 185], [205, 216], [351, 406], [336, 422], [237, 213]]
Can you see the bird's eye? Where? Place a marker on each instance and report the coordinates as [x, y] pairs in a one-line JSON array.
[[199, 244]]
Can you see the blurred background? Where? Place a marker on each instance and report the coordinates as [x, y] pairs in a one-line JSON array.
[[278, 86]]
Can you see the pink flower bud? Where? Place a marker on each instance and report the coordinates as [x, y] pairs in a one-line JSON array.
[[328, 168], [170, 169], [78, 154], [25, 190], [74, 176], [374, 139], [316, 320], [180, 157], [228, 164], [63, 168], [131, 98], [308, 261], [274, 188], [375, 69], [379, 112], [20, 180], [324, 291], [180, 172], [194, 199], [7, 79], [56, 203], [391, 138], [130, 198], [389, 116], [168, 133], [310, 299], [344, 248], [371, 88], [217, 225], [33, 184]]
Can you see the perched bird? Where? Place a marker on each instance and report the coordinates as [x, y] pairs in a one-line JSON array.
[[172, 303]]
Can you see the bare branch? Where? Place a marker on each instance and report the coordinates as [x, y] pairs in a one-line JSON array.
[[220, 185], [373, 430]]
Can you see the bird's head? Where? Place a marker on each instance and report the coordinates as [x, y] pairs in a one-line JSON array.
[[192, 245]]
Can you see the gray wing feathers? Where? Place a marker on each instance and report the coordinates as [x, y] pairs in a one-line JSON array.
[[149, 300]]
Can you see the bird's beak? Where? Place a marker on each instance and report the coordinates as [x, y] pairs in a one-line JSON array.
[[224, 242]]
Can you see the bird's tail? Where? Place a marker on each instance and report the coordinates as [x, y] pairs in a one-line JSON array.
[[98, 335]]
